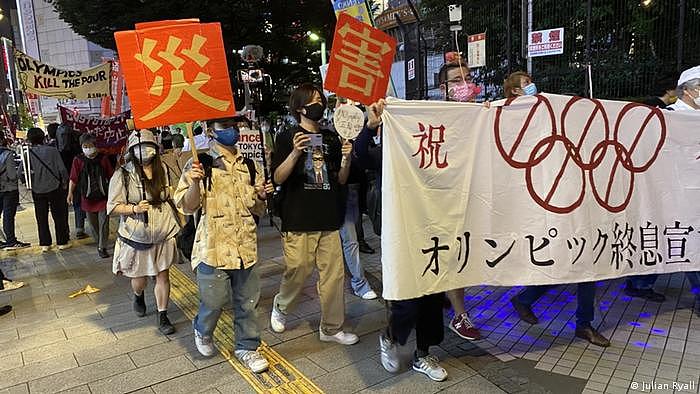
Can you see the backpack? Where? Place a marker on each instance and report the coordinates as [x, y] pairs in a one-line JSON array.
[[93, 183]]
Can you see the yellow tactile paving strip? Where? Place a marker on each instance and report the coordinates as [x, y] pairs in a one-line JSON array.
[[282, 377]]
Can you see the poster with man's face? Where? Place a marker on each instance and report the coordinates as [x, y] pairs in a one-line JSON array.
[[316, 169]]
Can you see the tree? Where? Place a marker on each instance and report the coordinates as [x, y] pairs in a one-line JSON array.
[[279, 26]]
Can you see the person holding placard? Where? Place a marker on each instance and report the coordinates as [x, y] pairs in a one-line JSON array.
[[307, 164], [230, 190]]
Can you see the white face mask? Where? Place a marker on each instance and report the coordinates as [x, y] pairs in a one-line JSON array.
[[144, 154], [697, 101], [90, 152]]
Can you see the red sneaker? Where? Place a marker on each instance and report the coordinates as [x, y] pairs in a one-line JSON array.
[[463, 327]]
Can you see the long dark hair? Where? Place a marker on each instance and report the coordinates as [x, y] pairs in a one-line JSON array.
[[158, 182]]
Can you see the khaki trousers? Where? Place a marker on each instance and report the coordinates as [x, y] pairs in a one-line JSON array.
[[303, 251]]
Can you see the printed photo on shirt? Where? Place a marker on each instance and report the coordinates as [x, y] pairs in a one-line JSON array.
[[316, 170]]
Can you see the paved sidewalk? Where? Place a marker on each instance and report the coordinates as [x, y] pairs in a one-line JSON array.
[[95, 343]]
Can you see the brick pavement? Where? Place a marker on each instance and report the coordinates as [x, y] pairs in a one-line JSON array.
[[95, 343]]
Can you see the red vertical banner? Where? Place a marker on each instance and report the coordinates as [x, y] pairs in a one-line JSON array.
[[360, 62]]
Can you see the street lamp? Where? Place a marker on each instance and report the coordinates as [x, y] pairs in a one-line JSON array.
[[315, 37]]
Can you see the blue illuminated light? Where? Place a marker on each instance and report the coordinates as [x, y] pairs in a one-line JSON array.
[[635, 324]]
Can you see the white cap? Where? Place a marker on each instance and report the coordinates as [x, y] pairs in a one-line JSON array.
[[687, 75]]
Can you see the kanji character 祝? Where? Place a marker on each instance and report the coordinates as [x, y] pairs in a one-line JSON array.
[[430, 144]]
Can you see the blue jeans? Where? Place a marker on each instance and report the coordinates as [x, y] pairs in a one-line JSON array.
[[585, 294], [351, 249], [216, 288], [642, 282], [79, 215]]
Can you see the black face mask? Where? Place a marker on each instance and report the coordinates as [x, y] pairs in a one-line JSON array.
[[314, 111]]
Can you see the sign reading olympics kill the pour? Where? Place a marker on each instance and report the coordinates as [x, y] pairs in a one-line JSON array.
[[45, 80], [110, 133], [175, 71], [538, 190], [360, 62]]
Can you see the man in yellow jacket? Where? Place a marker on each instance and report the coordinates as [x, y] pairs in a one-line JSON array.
[[229, 189]]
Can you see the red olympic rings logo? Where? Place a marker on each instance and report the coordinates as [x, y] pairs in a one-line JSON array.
[[589, 152]]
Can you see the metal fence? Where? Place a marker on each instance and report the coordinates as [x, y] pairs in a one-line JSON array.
[[633, 44]]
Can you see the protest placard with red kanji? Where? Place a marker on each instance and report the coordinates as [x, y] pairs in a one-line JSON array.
[[175, 71], [360, 63]]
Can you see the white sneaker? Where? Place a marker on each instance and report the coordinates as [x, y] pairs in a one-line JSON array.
[[45, 249], [370, 295], [64, 247], [253, 360], [343, 338], [390, 354], [429, 365], [277, 318], [204, 343]]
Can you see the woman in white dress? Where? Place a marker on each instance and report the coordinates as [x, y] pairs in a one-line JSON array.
[[140, 193]]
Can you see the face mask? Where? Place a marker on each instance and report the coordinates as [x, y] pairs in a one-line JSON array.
[[227, 137], [90, 152], [314, 111], [464, 92], [530, 89], [144, 154]]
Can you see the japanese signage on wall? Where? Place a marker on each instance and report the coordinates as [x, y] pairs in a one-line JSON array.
[[355, 8], [545, 42], [110, 133], [175, 71], [45, 80], [476, 50], [360, 62], [544, 189]]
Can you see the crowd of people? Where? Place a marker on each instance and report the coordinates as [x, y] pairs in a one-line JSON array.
[[319, 188]]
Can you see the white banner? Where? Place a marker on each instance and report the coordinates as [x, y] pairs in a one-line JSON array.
[[545, 189]]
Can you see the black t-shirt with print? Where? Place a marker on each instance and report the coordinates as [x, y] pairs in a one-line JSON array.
[[312, 195]]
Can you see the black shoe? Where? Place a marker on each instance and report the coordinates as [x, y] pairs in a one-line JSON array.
[[524, 311], [5, 309], [140, 305], [103, 253], [647, 294], [366, 249], [16, 245], [80, 235], [164, 325], [592, 336]]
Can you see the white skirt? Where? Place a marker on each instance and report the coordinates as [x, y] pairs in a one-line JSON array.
[[134, 263]]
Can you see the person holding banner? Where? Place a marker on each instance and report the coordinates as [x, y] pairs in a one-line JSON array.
[[139, 192], [90, 174], [456, 84], [688, 94], [229, 189], [424, 314], [519, 83], [49, 188], [307, 164]]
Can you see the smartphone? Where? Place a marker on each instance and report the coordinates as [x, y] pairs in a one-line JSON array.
[[315, 140]]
